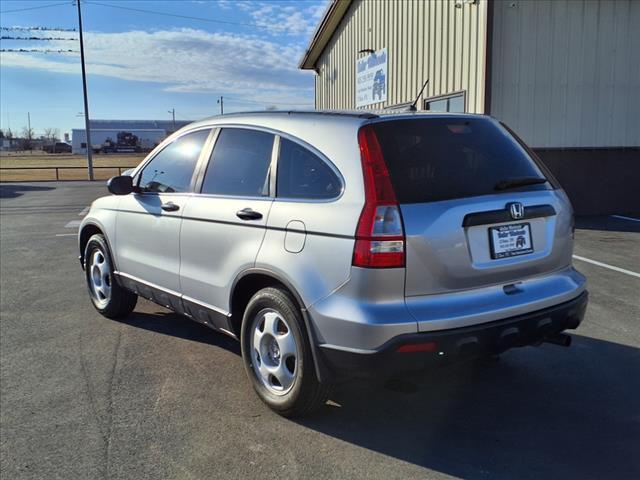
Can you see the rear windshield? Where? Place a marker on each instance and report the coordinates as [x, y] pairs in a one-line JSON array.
[[444, 158]]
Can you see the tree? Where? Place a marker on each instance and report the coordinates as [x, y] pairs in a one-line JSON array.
[[8, 134], [1, 133], [51, 135], [27, 138]]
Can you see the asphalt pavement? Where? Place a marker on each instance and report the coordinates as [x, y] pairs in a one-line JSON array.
[[158, 396]]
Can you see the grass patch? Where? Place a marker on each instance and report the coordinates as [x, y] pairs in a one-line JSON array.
[[46, 164]]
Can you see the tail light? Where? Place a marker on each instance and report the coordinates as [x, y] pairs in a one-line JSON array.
[[380, 236]]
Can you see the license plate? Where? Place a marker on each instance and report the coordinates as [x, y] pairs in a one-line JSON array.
[[510, 240]]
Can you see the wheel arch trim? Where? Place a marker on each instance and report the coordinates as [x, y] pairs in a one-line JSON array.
[[100, 227], [322, 371]]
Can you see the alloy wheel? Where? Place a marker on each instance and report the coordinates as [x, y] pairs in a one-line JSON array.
[[274, 353]]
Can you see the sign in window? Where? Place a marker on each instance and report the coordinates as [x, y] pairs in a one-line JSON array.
[[371, 78]]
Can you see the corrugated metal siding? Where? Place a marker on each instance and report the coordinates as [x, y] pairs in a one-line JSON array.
[[567, 73], [424, 39]]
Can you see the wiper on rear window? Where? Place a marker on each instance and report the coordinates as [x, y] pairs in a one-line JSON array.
[[518, 182]]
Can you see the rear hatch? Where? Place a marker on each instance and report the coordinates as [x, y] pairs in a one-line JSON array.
[[477, 208]]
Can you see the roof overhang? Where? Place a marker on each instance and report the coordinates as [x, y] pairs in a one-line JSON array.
[[324, 31]]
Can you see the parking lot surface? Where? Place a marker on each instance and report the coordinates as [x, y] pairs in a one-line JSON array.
[[158, 396]]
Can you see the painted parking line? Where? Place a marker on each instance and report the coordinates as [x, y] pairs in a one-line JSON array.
[[66, 234], [606, 265], [622, 217], [84, 211], [73, 224]]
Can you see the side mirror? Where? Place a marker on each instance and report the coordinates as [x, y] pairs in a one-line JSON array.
[[121, 185]]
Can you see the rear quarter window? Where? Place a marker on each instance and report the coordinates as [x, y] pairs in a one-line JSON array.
[[445, 158], [304, 175]]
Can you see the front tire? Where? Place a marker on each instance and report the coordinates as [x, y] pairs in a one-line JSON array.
[[107, 296], [277, 355]]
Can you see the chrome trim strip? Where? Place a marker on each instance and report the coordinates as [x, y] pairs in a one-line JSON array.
[[206, 305], [172, 292], [149, 284]]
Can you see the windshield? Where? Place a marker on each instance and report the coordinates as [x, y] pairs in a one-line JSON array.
[[432, 159]]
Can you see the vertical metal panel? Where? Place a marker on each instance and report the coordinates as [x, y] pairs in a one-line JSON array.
[[424, 39], [567, 73]]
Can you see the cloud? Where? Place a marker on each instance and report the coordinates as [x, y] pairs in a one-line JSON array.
[[293, 19], [189, 60]]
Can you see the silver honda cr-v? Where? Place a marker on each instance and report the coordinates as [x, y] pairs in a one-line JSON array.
[[335, 244]]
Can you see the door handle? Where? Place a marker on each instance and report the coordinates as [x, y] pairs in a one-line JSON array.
[[248, 214], [169, 207]]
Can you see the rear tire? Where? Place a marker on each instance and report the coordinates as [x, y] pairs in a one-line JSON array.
[[107, 296], [277, 355]]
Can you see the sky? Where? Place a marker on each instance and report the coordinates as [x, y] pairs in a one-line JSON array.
[[141, 65]]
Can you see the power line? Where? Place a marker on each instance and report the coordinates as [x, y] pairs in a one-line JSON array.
[[5, 37], [42, 29], [35, 50], [187, 17], [36, 8]]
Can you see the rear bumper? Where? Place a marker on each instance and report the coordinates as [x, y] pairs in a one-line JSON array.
[[458, 343], [371, 309]]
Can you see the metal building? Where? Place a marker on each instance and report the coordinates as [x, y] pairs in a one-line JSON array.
[[564, 74], [143, 134]]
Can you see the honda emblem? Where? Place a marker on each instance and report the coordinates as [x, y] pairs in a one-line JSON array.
[[516, 209]]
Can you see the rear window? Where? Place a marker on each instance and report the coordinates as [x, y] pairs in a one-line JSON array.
[[445, 158]]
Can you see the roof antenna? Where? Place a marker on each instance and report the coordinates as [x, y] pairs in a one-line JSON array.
[[412, 107]]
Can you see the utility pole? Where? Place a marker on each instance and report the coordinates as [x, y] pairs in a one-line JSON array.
[[29, 131], [221, 102], [173, 114], [86, 100]]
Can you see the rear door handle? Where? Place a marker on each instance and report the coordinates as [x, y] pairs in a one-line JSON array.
[[169, 207], [248, 214]]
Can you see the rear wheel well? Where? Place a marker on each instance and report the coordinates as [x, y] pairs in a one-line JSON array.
[[246, 288], [87, 232]]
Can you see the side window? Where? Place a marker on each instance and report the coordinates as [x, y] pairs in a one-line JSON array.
[[302, 174], [171, 169], [239, 164]]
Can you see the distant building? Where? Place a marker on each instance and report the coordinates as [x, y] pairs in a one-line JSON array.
[[7, 144], [564, 74], [104, 133]]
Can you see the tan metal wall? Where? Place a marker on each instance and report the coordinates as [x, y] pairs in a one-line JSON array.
[[424, 39], [567, 73]]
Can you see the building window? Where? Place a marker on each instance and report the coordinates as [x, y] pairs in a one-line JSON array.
[[399, 107], [446, 103], [83, 145]]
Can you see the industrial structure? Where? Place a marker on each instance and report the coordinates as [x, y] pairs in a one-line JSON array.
[[563, 74], [124, 136]]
